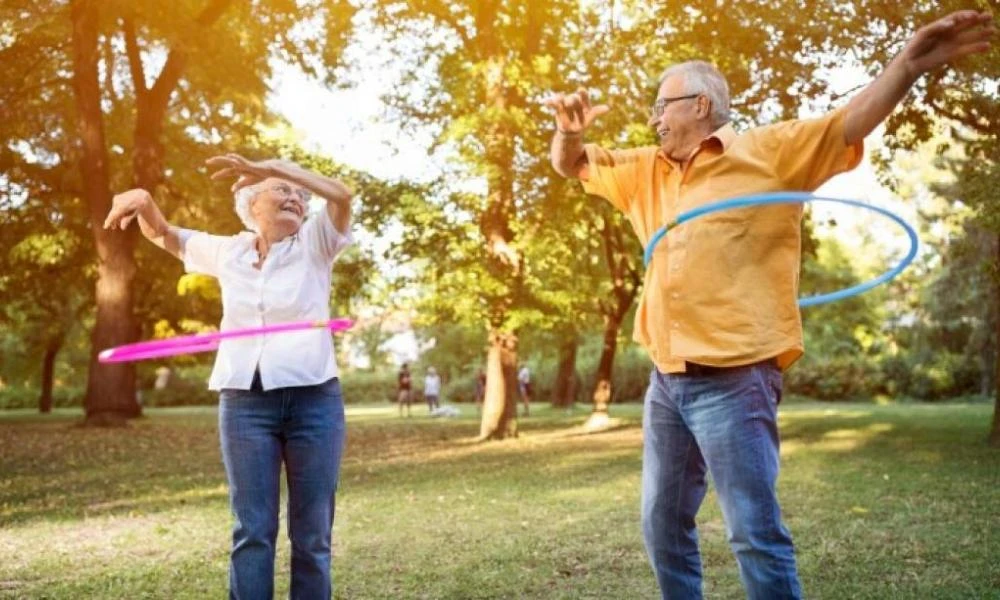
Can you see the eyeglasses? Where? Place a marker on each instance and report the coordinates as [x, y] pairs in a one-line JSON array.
[[661, 105], [285, 191]]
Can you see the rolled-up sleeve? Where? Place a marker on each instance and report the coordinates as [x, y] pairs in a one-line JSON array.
[[811, 151], [323, 239], [203, 252], [614, 174]]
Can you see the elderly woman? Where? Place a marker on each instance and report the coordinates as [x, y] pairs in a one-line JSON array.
[[280, 399]]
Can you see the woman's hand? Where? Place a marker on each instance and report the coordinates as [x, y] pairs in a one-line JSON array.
[[249, 172], [125, 207]]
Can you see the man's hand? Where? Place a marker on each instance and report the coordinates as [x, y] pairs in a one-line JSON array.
[[249, 172], [939, 43], [574, 112], [946, 40]]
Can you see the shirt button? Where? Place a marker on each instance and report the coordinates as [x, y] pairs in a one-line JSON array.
[[675, 324], [675, 295], [260, 306]]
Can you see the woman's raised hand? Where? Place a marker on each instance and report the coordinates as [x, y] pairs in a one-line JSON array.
[[248, 172], [125, 207]]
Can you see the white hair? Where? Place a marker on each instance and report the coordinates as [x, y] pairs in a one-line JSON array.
[[242, 199], [701, 77]]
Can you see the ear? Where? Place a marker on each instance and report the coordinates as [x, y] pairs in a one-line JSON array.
[[704, 107]]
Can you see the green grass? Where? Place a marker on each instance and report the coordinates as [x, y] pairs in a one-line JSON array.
[[895, 501]]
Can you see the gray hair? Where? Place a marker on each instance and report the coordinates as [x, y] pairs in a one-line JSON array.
[[242, 199], [701, 77]]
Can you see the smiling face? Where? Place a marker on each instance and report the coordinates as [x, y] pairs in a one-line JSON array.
[[683, 120], [279, 208]]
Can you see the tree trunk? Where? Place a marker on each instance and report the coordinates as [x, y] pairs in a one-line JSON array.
[[499, 419], [601, 397], [564, 391], [110, 395], [625, 287], [504, 260], [48, 369]]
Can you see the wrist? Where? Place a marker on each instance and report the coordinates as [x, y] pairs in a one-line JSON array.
[[283, 168], [906, 71], [566, 133], [145, 201]]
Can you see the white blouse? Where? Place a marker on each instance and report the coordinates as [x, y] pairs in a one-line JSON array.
[[293, 284]]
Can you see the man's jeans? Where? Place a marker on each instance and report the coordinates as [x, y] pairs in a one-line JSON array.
[[727, 421], [304, 428]]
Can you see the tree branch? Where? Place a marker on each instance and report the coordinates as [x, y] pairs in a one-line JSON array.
[[134, 58], [177, 59]]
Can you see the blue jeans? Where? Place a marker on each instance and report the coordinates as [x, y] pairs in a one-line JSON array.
[[726, 424], [304, 428]]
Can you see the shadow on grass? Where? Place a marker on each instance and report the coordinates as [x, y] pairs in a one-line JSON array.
[[52, 470]]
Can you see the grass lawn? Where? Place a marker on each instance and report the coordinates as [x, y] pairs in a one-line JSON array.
[[897, 501]]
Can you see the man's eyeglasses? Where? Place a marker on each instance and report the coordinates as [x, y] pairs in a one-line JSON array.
[[661, 105], [285, 191]]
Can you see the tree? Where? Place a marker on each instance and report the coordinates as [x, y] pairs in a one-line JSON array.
[[489, 60], [40, 253], [965, 96], [215, 63]]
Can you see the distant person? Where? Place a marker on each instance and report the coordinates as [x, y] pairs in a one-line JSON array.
[[480, 390], [524, 386], [162, 378], [432, 389], [403, 395]]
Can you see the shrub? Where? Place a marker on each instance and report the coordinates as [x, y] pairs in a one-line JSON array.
[[26, 396], [370, 386]]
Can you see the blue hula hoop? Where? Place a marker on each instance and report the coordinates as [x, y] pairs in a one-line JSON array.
[[789, 198]]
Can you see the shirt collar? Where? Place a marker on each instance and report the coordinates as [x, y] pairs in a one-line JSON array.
[[722, 138], [249, 253], [724, 135]]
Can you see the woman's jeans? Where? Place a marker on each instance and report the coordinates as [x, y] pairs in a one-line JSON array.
[[304, 428], [724, 422]]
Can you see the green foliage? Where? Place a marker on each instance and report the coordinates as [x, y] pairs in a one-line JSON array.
[[457, 349], [25, 396], [363, 386], [182, 393]]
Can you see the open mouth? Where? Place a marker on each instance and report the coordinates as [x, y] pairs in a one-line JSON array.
[[295, 209]]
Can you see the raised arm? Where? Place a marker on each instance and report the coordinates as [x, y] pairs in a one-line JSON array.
[[939, 43], [138, 204], [573, 114], [336, 194]]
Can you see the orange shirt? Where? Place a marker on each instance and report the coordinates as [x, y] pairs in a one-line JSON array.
[[722, 289]]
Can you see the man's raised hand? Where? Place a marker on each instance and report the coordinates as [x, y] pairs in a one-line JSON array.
[[574, 112], [946, 40]]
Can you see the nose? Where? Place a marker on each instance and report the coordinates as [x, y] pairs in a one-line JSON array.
[[653, 121]]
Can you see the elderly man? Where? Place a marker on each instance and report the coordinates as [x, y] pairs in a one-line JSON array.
[[718, 314]]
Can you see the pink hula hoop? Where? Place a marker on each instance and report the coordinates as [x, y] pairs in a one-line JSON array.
[[206, 342]]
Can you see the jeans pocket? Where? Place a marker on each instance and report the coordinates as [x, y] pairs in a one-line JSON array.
[[776, 382]]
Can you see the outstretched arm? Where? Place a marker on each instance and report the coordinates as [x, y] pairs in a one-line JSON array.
[[939, 43], [336, 194], [138, 204], [573, 114]]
